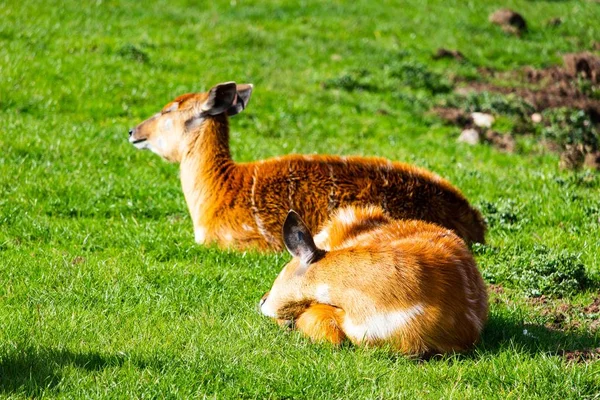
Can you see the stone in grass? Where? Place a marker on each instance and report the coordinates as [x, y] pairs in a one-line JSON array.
[[536, 118], [509, 20], [482, 120], [469, 136]]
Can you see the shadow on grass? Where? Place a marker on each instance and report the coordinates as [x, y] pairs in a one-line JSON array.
[[33, 371], [502, 332]]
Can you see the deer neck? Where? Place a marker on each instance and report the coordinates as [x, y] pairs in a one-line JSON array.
[[206, 166]]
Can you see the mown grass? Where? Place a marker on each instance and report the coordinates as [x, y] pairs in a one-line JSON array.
[[103, 293]]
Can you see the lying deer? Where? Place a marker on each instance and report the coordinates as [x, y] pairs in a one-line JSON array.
[[374, 280], [244, 204]]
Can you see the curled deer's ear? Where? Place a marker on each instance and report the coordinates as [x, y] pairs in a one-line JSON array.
[[241, 101], [220, 98], [298, 240]]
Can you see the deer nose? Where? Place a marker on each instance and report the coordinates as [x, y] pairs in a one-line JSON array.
[[130, 132]]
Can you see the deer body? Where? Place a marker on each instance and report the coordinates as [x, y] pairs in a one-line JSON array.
[[375, 280], [243, 205]]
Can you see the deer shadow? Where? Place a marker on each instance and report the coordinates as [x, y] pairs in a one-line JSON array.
[[32, 371], [502, 333]]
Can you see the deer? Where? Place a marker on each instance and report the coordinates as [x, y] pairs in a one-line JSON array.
[[377, 281], [243, 205]]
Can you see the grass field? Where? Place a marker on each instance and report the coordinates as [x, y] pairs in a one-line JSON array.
[[103, 292]]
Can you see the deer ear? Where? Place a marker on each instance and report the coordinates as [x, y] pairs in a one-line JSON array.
[[299, 241], [241, 101], [220, 98]]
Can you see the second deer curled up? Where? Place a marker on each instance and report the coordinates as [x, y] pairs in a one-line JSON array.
[[374, 280]]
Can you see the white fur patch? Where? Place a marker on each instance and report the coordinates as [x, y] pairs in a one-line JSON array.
[[247, 228], [347, 216], [200, 235], [322, 294], [267, 308], [142, 145], [321, 239], [381, 326]]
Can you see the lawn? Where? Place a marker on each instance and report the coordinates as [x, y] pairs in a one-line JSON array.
[[103, 292]]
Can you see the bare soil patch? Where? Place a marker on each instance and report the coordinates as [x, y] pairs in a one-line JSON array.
[[564, 316], [581, 356], [446, 53], [551, 87], [573, 86], [510, 21]]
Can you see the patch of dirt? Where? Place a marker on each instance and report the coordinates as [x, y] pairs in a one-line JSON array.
[[572, 157], [581, 356], [510, 21], [454, 116], [574, 85], [556, 21], [563, 316], [445, 53], [503, 142], [538, 300], [494, 288], [556, 87], [495, 291], [592, 160], [585, 64], [593, 308], [78, 260]]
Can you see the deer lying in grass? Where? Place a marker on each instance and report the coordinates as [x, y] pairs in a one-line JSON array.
[[374, 280], [244, 204]]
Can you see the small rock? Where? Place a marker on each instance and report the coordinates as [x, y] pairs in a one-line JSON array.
[[445, 53], [536, 118], [469, 136], [509, 20], [482, 120]]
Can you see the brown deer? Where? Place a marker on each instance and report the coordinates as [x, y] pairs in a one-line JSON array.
[[243, 205], [374, 280]]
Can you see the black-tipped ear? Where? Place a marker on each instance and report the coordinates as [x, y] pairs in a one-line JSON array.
[[241, 101], [298, 239], [220, 98]]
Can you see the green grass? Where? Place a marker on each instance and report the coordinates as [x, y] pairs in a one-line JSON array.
[[103, 293]]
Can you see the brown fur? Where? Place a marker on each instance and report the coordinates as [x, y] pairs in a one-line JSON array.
[[378, 271], [244, 204]]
